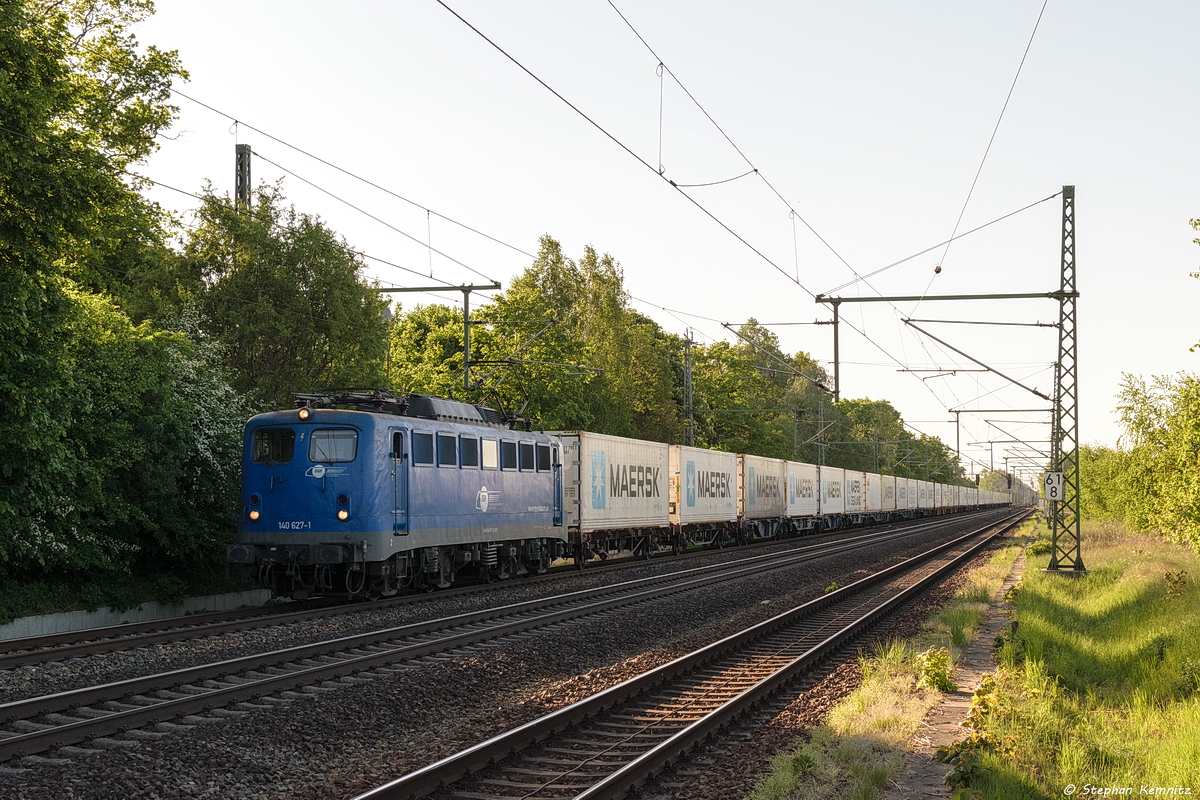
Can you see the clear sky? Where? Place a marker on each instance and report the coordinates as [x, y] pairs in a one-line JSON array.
[[869, 119]]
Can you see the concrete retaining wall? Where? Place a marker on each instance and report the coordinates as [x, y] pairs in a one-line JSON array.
[[102, 618]]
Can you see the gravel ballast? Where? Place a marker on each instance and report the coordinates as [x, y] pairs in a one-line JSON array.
[[344, 737]]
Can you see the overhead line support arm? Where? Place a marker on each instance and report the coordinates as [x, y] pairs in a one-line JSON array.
[[466, 290], [912, 324]]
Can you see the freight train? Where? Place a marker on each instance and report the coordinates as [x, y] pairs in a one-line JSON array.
[[368, 493]]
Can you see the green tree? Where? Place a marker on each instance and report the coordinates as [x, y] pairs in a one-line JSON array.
[[425, 351], [286, 300], [752, 397], [727, 394], [564, 349], [1161, 479], [533, 347], [149, 471], [1103, 472], [155, 437], [880, 429], [634, 393], [78, 104]]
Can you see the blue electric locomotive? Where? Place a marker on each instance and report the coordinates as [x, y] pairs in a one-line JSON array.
[[367, 493]]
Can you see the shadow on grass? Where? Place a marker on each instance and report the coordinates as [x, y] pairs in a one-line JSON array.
[[1077, 646], [1001, 781]]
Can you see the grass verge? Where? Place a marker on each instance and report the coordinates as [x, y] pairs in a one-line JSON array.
[[1098, 691], [864, 738]]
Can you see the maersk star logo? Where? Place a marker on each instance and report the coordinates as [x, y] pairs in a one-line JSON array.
[[599, 472], [691, 484], [752, 490]]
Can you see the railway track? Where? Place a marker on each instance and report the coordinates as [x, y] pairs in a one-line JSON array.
[[36, 650], [613, 742], [41, 724]]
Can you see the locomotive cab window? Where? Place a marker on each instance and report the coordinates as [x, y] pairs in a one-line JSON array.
[[543, 458], [273, 445], [468, 451], [397, 444], [422, 448], [491, 454], [446, 451], [332, 445], [526, 451], [508, 455]]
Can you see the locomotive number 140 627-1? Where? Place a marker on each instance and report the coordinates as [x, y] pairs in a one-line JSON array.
[[295, 526]]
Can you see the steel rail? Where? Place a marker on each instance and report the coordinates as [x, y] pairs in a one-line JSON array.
[[637, 772], [447, 771], [32, 650], [408, 641]]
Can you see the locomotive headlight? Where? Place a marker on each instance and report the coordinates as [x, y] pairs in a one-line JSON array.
[[304, 413], [254, 514], [343, 514]]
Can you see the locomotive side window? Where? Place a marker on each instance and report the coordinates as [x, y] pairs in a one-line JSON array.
[[491, 454], [422, 447], [508, 455], [397, 444], [468, 450], [526, 450], [543, 458], [273, 445], [447, 452], [332, 445]]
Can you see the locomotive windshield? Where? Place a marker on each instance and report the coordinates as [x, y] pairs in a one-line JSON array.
[[273, 445], [331, 445]]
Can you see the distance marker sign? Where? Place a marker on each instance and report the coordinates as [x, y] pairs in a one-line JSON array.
[[1054, 486]]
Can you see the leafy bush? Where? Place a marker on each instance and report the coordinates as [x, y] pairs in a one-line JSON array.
[[149, 467], [934, 668], [1040, 547]]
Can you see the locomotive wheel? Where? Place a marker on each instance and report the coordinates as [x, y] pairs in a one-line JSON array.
[[540, 564]]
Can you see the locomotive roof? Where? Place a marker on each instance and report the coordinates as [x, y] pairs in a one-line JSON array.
[[412, 405]]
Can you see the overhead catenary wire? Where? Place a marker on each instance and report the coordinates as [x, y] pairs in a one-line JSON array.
[[349, 250], [988, 149], [712, 183], [368, 214], [662, 67], [793, 214], [940, 244], [648, 166], [451, 221], [347, 172], [753, 169], [345, 248], [100, 161], [626, 148]]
